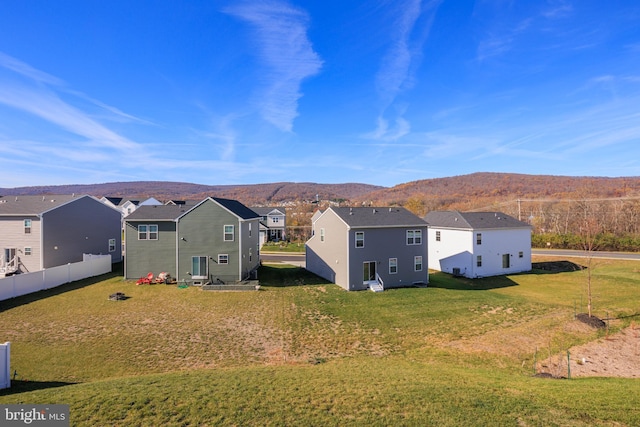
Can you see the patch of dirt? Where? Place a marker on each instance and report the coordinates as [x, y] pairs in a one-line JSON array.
[[612, 356], [557, 266], [592, 321]]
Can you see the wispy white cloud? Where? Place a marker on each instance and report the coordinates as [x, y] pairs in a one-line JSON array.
[[49, 107], [505, 35], [287, 52], [23, 69], [383, 132], [397, 70]]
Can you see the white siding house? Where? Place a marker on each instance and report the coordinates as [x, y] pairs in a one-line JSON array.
[[478, 244]]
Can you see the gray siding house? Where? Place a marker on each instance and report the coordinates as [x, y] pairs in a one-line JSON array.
[[38, 232], [368, 248], [215, 241]]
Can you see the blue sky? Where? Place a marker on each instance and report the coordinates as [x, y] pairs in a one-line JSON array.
[[379, 92]]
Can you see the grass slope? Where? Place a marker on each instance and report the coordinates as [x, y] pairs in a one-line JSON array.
[[304, 352]]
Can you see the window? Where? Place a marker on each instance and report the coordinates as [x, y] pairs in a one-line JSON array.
[[275, 219], [199, 267], [414, 237], [27, 251], [393, 265], [27, 226], [417, 263], [112, 245], [479, 261], [478, 238], [520, 254], [506, 261], [322, 234], [437, 236], [153, 232], [359, 239], [228, 233], [142, 232], [147, 232], [249, 229], [223, 259]]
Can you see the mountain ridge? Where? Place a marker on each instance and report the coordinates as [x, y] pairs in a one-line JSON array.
[[460, 192]]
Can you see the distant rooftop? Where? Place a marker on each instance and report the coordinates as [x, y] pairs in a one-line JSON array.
[[473, 220]]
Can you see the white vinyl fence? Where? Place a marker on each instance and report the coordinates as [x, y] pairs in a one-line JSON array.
[[22, 284], [5, 362]]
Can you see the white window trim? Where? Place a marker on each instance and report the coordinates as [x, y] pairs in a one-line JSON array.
[[393, 262], [112, 245], [359, 233], [201, 276], [322, 235], [27, 228], [148, 232], [220, 256], [415, 263], [415, 236], [28, 251], [225, 234]]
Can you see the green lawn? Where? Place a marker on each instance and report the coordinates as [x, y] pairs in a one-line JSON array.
[[302, 351]]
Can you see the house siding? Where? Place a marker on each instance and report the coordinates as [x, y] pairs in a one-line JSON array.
[[328, 259], [339, 261], [203, 232], [380, 244], [458, 249], [153, 256], [454, 250], [13, 236], [249, 246], [82, 226]]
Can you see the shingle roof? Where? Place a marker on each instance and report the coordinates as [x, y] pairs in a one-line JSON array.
[[115, 201], [473, 220], [33, 205], [173, 212], [237, 208], [266, 210], [378, 217], [157, 213]]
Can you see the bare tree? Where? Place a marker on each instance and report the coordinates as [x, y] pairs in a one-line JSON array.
[[589, 231]]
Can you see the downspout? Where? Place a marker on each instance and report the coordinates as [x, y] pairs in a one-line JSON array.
[[177, 250], [348, 260], [41, 241], [240, 258]]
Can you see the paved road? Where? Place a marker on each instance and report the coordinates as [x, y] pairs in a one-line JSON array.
[[299, 259], [581, 254], [293, 259]]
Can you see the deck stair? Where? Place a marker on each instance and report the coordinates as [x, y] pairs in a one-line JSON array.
[[378, 285]]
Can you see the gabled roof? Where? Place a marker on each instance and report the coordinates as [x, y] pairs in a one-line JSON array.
[[266, 210], [115, 201], [156, 213], [174, 212], [182, 202], [237, 208], [473, 220], [34, 205], [377, 217]]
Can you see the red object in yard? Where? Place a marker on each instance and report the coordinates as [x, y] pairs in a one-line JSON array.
[[145, 280]]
